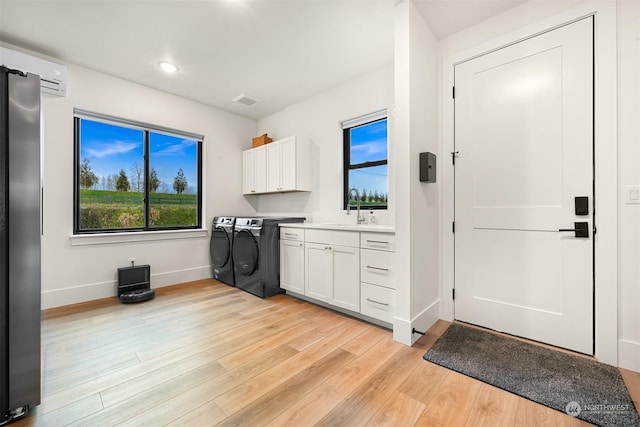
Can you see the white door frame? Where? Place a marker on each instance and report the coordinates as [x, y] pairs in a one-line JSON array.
[[606, 169]]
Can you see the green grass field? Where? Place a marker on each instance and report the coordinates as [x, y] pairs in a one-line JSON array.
[[101, 209]]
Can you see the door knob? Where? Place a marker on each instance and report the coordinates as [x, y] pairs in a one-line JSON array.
[[581, 229]]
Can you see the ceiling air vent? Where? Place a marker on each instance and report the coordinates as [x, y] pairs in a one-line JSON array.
[[245, 100]]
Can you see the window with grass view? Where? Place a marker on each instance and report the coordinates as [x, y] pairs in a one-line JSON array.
[[132, 176], [365, 161]]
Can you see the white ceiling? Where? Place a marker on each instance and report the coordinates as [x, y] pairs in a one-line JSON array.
[[277, 51]]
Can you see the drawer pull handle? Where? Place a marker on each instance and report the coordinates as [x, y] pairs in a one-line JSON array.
[[328, 248], [291, 234], [377, 302], [378, 241], [377, 268]]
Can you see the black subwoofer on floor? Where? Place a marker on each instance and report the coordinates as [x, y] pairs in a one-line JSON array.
[[134, 284]]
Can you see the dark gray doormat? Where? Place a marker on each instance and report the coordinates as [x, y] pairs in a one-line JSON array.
[[590, 390]]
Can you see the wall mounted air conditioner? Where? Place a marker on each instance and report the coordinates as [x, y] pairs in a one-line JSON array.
[[53, 77]]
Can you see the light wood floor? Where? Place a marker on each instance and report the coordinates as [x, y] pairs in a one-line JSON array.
[[204, 354]]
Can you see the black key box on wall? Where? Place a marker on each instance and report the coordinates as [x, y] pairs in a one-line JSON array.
[[427, 167]]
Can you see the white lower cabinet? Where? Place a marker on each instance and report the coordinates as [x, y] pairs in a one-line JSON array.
[[292, 266], [333, 274], [332, 263], [378, 276], [346, 276], [319, 271], [346, 269]]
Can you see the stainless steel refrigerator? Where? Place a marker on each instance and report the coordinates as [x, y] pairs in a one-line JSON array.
[[20, 233]]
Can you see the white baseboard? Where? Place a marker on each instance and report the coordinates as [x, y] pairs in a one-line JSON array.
[[76, 294], [403, 329], [175, 277], [426, 319], [92, 291], [629, 355]]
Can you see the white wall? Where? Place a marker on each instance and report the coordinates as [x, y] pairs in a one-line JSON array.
[[417, 226], [79, 273], [629, 174], [318, 120]]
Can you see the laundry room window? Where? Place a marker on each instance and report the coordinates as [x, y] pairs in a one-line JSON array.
[[365, 161], [132, 176]]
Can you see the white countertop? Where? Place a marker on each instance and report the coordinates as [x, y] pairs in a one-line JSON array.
[[342, 227]]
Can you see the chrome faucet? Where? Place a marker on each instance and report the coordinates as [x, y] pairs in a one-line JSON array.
[[360, 218]]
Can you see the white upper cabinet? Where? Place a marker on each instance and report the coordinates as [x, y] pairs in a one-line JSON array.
[[254, 167], [289, 178], [286, 164], [274, 167]]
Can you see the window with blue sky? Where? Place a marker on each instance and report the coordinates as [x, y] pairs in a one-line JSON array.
[[365, 156], [132, 176]]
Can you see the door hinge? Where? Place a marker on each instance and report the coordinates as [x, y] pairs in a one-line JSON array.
[[453, 227], [453, 92], [453, 293]]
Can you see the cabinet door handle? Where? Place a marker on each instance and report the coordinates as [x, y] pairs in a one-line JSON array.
[[381, 242], [377, 302], [377, 268], [293, 245], [328, 248]]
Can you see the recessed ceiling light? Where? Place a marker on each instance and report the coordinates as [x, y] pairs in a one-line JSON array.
[[167, 66]]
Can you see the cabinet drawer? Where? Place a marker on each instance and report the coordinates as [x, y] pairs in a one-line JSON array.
[[378, 267], [378, 241], [331, 237], [377, 302], [289, 233]]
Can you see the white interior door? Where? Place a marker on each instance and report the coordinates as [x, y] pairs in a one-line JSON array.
[[524, 143]]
